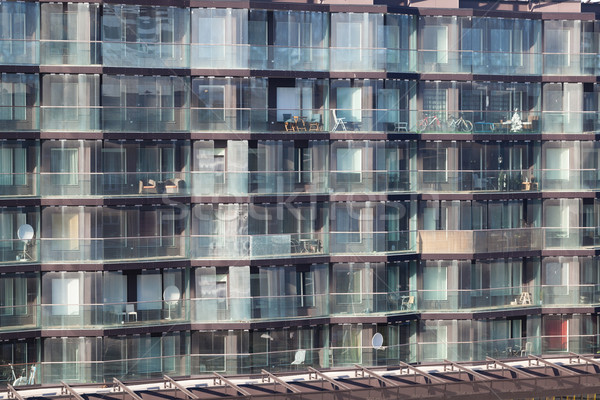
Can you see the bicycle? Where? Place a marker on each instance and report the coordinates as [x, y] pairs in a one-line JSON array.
[[429, 121], [460, 124]]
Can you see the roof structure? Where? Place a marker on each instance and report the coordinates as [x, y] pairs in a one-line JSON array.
[[573, 374]]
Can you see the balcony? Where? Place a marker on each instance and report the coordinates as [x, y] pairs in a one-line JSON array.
[[357, 242], [145, 55], [19, 52], [114, 184], [480, 241], [570, 63], [68, 52], [145, 119], [258, 246], [242, 309], [71, 119], [123, 249], [19, 118], [84, 316], [19, 251], [477, 181]]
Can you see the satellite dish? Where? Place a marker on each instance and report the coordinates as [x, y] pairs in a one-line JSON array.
[[377, 341], [171, 294], [171, 297], [25, 232]]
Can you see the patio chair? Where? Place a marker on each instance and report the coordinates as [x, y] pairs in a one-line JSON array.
[[315, 123], [338, 121]]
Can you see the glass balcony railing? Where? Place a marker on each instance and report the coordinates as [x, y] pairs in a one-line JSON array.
[[275, 360], [480, 241], [226, 56], [475, 122], [371, 242], [19, 184], [259, 308], [61, 52], [145, 119], [56, 250], [108, 184], [19, 317], [571, 238], [71, 316], [71, 119], [21, 251], [473, 181], [478, 62], [570, 63], [371, 181], [570, 122], [145, 55], [259, 246], [19, 118], [259, 182], [19, 52]]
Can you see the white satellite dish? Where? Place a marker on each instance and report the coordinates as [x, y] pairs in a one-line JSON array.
[[171, 297], [377, 341], [25, 232]]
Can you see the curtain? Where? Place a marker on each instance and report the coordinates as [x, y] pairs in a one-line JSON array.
[[149, 292], [65, 296]]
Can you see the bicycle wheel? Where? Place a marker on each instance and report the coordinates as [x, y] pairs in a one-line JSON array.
[[422, 125], [466, 126]]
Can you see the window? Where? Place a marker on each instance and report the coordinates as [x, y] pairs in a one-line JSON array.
[[65, 296], [165, 93], [348, 285], [435, 44], [157, 163], [506, 44], [211, 103], [349, 104], [557, 47], [305, 288], [302, 165], [349, 164], [435, 282], [557, 274], [210, 32], [435, 159], [557, 163], [13, 101], [65, 231], [12, 30], [64, 166], [114, 167], [9, 224], [348, 225], [149, 292], [13, 166], [13, 296]]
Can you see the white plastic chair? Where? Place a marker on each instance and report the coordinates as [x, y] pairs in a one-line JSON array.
[[130, 311], [338, 121], [299, 357], [528, 349]]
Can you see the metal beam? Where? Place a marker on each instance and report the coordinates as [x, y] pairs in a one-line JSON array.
[[474, 374], [280, 381], [419, 372], [124, 388], [321, 375], [509, 367], [380, 378], [551, 364], [13, 394], [170, 383], [222, 380], [68, 389], [587, 359]]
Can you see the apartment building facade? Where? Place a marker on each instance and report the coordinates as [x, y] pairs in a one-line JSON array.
[[230, 186]]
